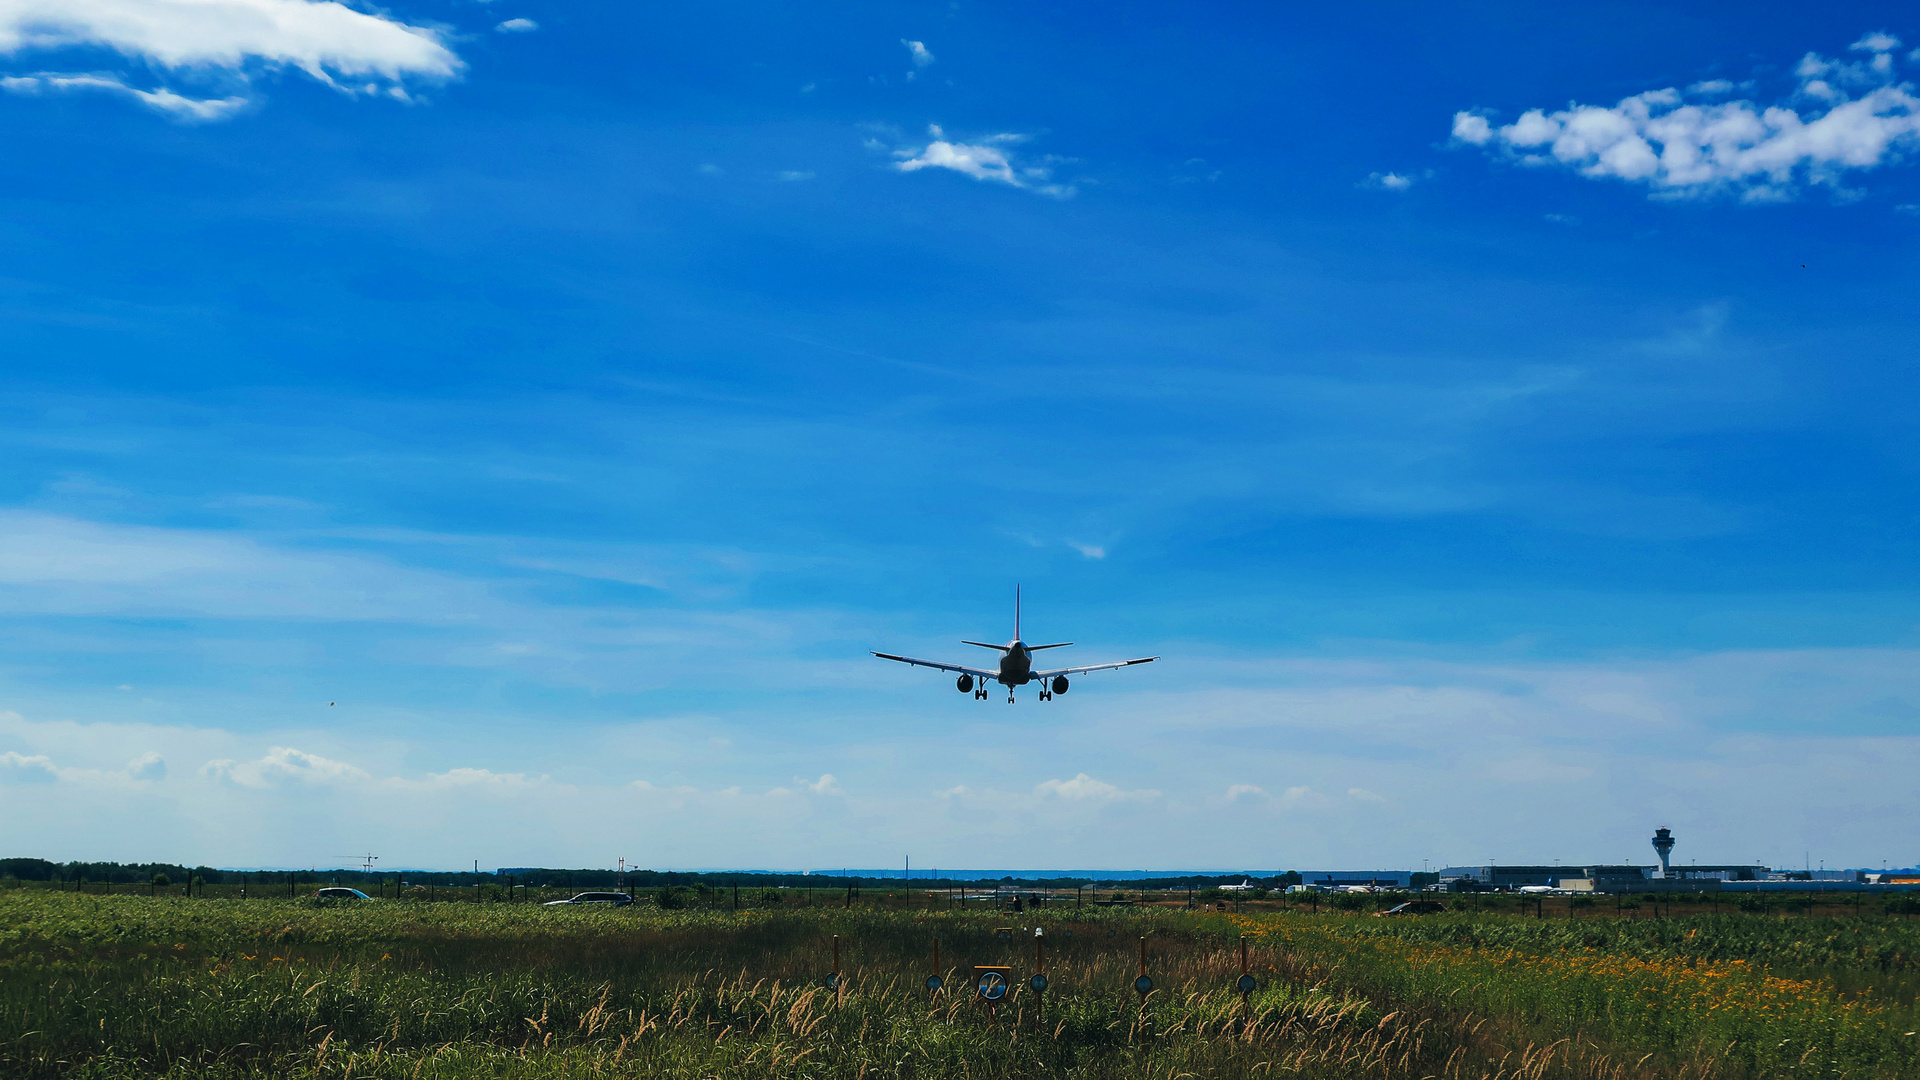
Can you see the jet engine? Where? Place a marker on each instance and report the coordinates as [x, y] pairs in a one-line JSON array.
[[964, 683], [1059, 684]]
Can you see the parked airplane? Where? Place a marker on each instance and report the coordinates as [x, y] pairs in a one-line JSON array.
[[1016, 665], [1246, 885]]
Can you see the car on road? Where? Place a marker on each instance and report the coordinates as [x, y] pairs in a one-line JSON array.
[[1414, 907], [612, 899], [342, 893]]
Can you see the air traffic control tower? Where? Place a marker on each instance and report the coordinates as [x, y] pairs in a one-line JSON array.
[[1663, 847]]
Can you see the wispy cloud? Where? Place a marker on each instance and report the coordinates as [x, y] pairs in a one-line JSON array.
[[18, 768], [1084, 787], [1387, 181], [918, 50], [990, 158], [191, 110], [1841, 116], [517, 26], [282, 763], [223, 41]]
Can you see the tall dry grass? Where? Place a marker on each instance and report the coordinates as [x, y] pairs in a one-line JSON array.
[[123, 987]]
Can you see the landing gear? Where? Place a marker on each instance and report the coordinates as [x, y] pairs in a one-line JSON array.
[[1046, 695], [1009, 695]]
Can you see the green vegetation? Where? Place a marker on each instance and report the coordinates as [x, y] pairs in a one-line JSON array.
[[133, 985]]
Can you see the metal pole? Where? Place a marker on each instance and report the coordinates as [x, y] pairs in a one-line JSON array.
[[839, 984], [1039, 968], [1245, 1005]]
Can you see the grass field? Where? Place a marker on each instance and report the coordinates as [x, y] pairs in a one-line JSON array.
[[133, 986]]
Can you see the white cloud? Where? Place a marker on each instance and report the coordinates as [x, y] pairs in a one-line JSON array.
[[1091, 551], [1364, 795], [224, 40], [794, 175], [465, 777], [1841, 117], [1303, 795], [988, 159], [18, 768], [921, 57], [282, 763], [826, 785], [1237, 792], [517, 26], [1084, 787], [192, 110], [1471, 128], [1387, 181], [148, 766]]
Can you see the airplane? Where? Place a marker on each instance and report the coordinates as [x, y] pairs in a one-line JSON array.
[[1016, 665], [1246, 885]]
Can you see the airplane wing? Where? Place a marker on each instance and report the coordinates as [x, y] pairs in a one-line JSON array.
[[1093, 667], [977, 673]]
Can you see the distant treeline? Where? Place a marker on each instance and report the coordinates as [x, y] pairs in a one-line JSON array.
[[142, 873]]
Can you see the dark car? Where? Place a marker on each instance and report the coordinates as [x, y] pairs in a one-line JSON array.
[[342, 893], [1415, 907], [615, 899]]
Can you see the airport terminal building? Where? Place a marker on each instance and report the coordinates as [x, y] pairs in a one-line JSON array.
[[1597, 877]]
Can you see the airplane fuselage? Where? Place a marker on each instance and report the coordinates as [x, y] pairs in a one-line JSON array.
[[1016, 665]]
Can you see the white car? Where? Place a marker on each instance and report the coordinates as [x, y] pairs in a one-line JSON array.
[[612, 899]]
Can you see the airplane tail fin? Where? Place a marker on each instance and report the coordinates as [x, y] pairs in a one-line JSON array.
[[1016, 613]]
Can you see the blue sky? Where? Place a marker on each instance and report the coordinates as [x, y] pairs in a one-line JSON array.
[[1500, 419]]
